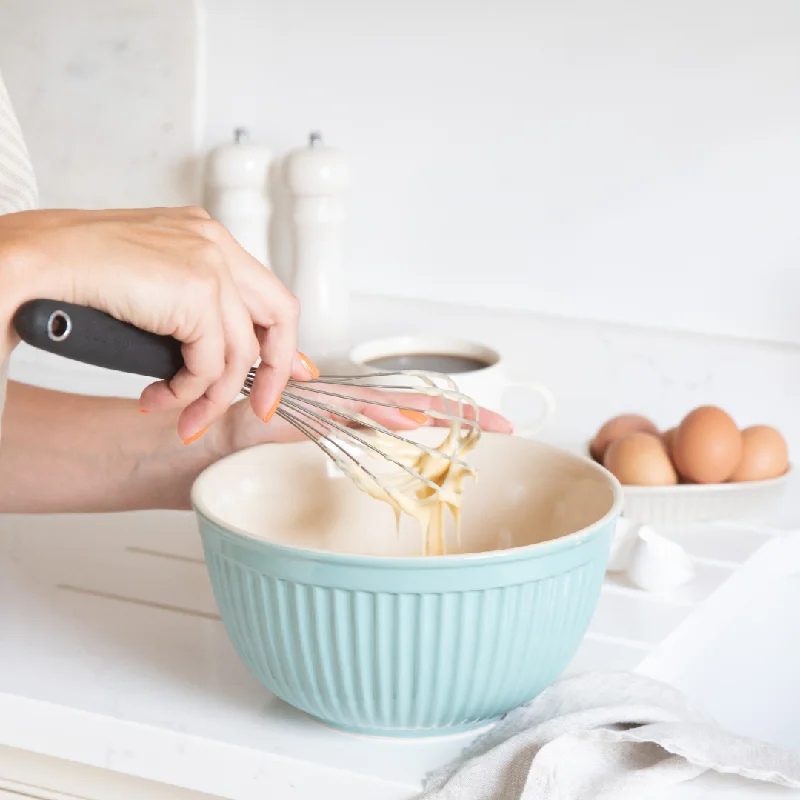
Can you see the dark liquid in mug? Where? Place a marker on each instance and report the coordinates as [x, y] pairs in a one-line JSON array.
[[430, 362]]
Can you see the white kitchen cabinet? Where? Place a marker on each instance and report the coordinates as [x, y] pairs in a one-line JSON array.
[[30, 775]]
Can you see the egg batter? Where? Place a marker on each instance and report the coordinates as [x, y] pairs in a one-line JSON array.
[[442, 467]]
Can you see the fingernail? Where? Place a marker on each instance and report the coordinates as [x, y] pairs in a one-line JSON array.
[[195, 437], [414, 416], [309, 365], [271, 413], [143, 411]]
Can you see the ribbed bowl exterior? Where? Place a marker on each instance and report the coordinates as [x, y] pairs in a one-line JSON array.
[[405, 647]]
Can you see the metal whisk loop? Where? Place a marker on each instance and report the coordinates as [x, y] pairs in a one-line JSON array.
[[361, 420], [350, 434], [322, 413], [326, 444]]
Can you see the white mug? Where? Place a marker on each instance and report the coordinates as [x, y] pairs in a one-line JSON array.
[[486, 384]]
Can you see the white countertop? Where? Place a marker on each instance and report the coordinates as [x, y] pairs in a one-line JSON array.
[[114, 656]]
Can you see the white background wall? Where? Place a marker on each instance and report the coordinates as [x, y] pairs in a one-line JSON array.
[[107, 93], [614, 159], [624, 160]]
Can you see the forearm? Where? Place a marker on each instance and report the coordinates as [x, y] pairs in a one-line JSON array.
[[72, 453]]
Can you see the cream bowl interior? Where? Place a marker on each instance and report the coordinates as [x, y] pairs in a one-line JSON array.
[[526, 493]]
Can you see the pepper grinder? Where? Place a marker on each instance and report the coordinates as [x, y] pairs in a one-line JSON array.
[[236, 178], [318, 177]]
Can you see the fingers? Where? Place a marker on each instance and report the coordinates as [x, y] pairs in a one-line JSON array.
[[489, 421], [257, 316], [412, 405], [204, 353], [241, 352], [407, 411], [219, 347], [492, 422], [277, 355], [276, 312], [303, 368]]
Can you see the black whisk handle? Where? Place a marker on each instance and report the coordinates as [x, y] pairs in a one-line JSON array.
[[94, 337]]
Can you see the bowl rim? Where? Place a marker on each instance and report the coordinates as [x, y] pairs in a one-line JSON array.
[[534, 550], [702, 488]]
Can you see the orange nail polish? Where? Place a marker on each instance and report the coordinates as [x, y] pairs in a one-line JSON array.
[[195, 437], [414, 415], [309, 365], [143, 411], [271, 413]]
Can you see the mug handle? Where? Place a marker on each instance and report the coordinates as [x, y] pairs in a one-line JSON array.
[[545, 398]]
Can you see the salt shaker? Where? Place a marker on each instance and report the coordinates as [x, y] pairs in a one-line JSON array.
[[236, 181], [318, 177]]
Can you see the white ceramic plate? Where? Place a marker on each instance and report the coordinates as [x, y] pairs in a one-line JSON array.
[[689, 502]]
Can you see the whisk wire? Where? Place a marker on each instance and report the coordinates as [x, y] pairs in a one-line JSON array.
[[351, 434], [302, 406], [324, 443], [366, 422]]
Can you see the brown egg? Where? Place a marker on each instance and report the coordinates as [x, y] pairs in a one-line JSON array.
[[668, 437], [764, 455], [639, 459], [707, 446], [615, 428]]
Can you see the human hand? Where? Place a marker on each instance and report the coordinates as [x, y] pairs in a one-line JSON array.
[[239, 430], [174, 272]]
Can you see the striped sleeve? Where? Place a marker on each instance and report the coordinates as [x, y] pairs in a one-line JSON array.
[[17, 182]]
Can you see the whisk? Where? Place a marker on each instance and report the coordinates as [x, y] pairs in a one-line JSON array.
[[317, 408]]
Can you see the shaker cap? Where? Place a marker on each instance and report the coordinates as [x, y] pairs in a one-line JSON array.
[[238, 163], [317, 170]]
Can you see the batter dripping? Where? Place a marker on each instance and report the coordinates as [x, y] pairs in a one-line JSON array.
[[443, 466]]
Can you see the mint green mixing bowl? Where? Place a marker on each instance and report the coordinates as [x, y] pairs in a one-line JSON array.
[[341, 617]]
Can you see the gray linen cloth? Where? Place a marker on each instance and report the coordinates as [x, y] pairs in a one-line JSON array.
[[604, 736]]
